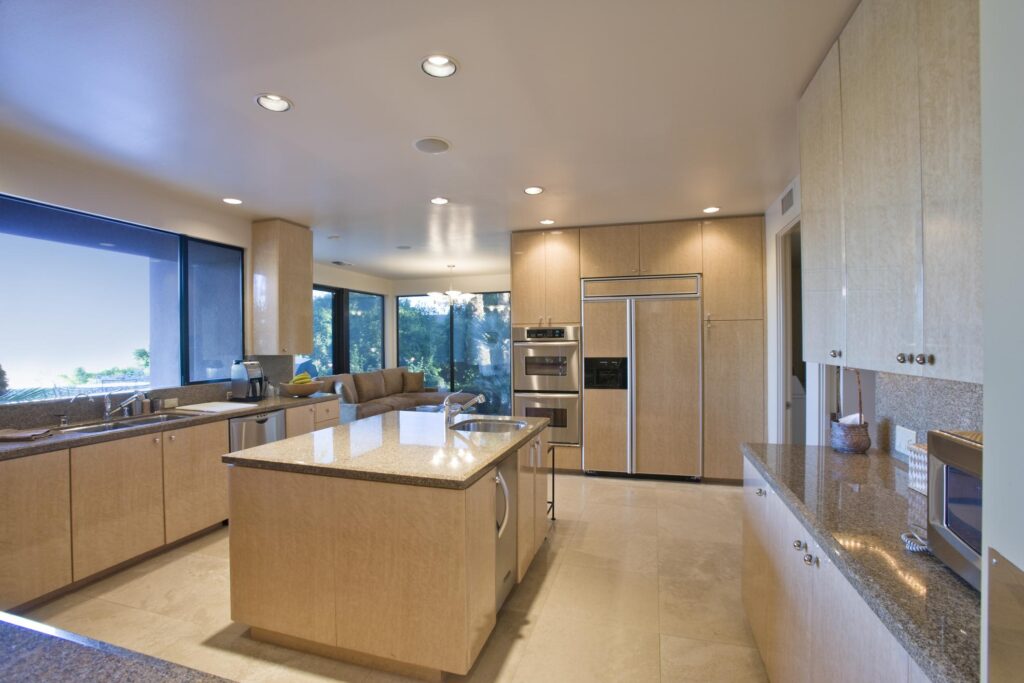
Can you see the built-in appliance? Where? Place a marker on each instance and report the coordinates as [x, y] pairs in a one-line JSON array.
[[248, 382], [642, 375], [255, 430], [505, 516], [954, 501], [546, 378]]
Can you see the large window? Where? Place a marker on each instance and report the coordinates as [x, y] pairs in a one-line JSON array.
[[91, 305], [348, 332], [464, 346]]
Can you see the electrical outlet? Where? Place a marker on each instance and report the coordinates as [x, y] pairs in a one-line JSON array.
[[904, 438]]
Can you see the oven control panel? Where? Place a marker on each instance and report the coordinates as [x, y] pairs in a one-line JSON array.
[[545, 333]]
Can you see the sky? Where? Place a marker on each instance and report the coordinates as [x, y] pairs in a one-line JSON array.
[[63, 306]]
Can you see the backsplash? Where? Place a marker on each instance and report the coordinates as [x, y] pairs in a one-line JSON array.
[[921, 404]]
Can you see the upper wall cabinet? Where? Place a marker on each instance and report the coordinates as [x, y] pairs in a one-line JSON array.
[[610, 251], [908, 184], [670, 248], [821, 219], [734, 268], [282, 288], [546, 277]]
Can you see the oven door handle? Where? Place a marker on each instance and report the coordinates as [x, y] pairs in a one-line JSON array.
[[544, 344], [521, 394]]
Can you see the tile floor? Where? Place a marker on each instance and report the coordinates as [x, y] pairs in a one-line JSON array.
[[639, 581]]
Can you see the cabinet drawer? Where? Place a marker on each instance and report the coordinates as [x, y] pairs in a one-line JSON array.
[[327, 411], [300, 420]]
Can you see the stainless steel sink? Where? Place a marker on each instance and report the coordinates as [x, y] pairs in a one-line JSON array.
[[124, 423], [484, 425]]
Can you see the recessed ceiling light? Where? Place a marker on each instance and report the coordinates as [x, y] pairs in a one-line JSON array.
[[440, 201], [403, 247], [547, 221], [533, 189], [432, 145], [439, 66], [341, 263], [712, 209], [231, 200], [273, 102], [334, 237], [107, 244]]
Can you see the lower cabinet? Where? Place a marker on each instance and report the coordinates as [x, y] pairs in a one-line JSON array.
[[117, 502], [809, 623], [532, 499], [35, 527], [326, 414], [300, 420], [195, 479]]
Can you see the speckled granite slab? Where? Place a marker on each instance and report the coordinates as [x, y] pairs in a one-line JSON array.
[[401, 447], [61, 441], [30, 651], [856, 507]]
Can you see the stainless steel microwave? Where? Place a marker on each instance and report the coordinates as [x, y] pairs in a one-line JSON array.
[[954, 501]]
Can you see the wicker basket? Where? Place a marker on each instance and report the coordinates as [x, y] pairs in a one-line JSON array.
[[850, 438]]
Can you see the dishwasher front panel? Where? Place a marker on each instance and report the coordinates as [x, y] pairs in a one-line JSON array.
[[255, 430]]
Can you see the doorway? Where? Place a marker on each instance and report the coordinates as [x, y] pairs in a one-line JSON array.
[[794, 374]]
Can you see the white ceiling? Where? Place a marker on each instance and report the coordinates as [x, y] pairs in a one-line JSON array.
[[624, 111]]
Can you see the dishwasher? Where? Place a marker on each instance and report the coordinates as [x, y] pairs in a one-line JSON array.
[[505, 522], [255, 430]]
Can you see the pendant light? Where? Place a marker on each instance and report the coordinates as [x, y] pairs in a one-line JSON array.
[[451, 293]]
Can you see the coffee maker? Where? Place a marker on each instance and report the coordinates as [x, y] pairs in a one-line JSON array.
[[248, 382]]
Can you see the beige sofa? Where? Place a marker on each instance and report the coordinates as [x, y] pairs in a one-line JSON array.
[[364, 394]]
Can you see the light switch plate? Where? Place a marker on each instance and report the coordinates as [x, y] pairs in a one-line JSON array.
[[904, 438]]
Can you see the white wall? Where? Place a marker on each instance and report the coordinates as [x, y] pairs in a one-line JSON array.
[[466, 283], [1002, 138], [776, 223]]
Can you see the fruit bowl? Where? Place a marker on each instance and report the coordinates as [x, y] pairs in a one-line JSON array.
[[302, 389]]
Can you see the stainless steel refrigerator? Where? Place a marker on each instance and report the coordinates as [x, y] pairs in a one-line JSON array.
[[642, 394]]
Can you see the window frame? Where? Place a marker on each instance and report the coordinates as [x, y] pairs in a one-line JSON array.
[[340, 354]]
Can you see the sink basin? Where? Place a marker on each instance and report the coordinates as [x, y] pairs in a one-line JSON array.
[[124, 423], [481, 425]]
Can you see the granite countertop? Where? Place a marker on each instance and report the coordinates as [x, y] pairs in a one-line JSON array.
[[30, 651], [400, 447], [856, 507], [59, 441]]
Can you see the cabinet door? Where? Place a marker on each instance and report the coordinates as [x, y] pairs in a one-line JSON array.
[[951, 180], [562, 277], [528, 278], [733, 253], [35, 527], [299, 420], [605, 411], [195, 479], [849, 643], [540, 493], [670, 248], [282, 258], [525, 523], [605, 329], [733, 394], [881, 185], [667, 409], [758, 581], [610, 251], [821, 215], [117, 502], [789, 616]]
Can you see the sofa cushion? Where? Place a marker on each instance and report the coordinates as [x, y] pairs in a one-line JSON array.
[[392, 380], [371, 408], [347, 389], [412, 381], [425, 398], [399, 402], [369, 385]]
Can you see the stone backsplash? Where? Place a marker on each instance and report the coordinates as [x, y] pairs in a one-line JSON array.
[[922, 404]]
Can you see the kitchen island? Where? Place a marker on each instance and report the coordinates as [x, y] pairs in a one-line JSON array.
[[375, 541]]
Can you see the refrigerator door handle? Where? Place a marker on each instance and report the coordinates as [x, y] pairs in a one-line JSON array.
[[631, 370]]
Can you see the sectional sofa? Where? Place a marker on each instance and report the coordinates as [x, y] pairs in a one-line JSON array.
[[364, 394]]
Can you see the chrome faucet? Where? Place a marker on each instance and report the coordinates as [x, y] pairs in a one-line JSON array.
[[108, 410], [65, 419], [450, 411]]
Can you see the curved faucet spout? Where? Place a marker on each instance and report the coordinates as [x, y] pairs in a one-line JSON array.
[[450, 411]]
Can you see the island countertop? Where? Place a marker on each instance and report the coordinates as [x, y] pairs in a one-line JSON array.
[[400, 447]]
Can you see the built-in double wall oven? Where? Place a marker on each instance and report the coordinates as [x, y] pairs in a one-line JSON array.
[[546, 378]]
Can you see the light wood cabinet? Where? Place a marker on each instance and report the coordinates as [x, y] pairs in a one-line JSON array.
[[670, 248], [610, 251], [881, 184], [299, 420], [733, 393], [35, 527], [325, 415], [789, 618], [733, 255], [117, 502], [546, 277], [605, 411], [282, 288], [821, 215], [759, 598], [195, 479]]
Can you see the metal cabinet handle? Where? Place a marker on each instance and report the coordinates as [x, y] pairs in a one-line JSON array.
[[835, 353], [922, 359], [172, 437], [799, 545], [500, 481], [156, 440], [810, 560], [901, 358], [761, 492]]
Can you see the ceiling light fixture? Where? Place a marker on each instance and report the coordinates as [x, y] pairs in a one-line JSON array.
[[533, 190], [403, 247], [452, 294], [432, 145], [334, 237], [272, 102], [232, 201], [547, 221], [439, 66], [107, 244], [440, 201], [712, 209], [341, 263]]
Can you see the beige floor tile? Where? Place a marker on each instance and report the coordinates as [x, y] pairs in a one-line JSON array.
[[563, 649], [685, 659], [618, 550], [528, 596], [215, 544], [622, 494], [628, 599], [504, 650], [708, 560], [705, 609]]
